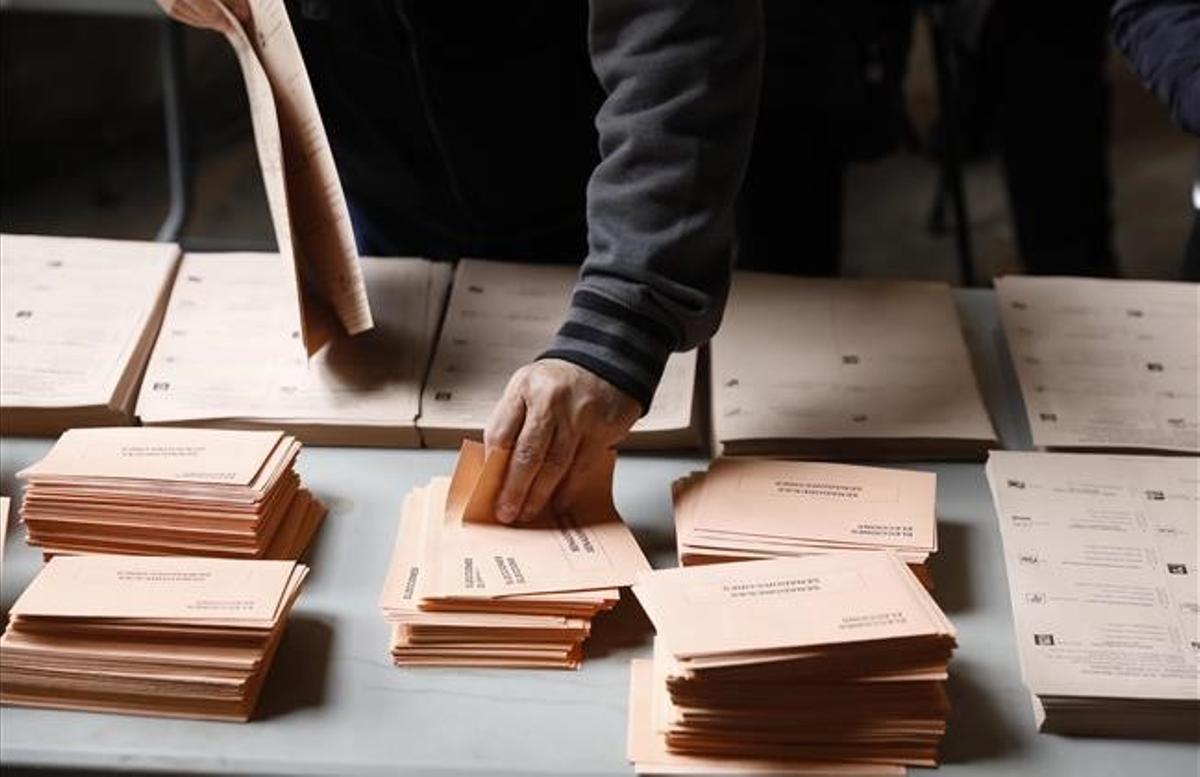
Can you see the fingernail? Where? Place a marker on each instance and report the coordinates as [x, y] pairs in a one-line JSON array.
[[506, 514]]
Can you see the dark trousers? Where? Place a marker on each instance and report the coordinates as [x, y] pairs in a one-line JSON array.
[[1054, 132]]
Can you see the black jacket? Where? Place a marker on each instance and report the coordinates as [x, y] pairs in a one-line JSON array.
[[1161, 39]]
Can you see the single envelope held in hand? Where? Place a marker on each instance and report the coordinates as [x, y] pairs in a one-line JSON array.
[[588, 548]]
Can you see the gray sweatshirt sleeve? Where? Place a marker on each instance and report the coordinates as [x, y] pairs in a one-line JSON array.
[[682, 80]]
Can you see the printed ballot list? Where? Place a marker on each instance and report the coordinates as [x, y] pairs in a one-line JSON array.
[[1102, 564], [79, 317], [1104, 363]]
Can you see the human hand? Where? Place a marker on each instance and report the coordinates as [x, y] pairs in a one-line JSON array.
[[557, 419]]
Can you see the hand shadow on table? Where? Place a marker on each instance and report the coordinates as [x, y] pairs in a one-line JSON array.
[[624, 628], [950, 567], [298, 678], [369, 360], [976, 729]]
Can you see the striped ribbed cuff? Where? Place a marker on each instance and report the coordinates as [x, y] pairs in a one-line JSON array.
[[624, 347]]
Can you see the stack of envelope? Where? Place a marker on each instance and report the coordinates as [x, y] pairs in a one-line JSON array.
[[463, 590], [167, 636], [163, 492], [815, 664], [744, 509]]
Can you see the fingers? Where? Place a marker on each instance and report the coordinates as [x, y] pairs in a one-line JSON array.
[[533, 441], [505, 424], [558, 461], [575, 486]]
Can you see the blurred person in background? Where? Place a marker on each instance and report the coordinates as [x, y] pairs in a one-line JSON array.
[[545, 130], [1161, 40]]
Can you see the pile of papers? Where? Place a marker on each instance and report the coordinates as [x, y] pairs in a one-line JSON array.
[[463, 590], [170, 492], [758, 508], [79, 319], [1102, 558], [844, 369], [317, 254], [225, 356], [177, 637], [816, 664], [1106, 364], [500, 317]]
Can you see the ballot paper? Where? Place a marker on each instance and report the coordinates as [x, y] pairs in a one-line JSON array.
[[462, 590], [761, 508], [500, 317], [844, 369], [168, 636], [170, 491], [223, 358], [1102, 558], [739, 682], [1106, 364], [308, 210], [79, 319]]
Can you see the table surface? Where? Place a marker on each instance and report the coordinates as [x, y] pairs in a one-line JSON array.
[[335, 704]]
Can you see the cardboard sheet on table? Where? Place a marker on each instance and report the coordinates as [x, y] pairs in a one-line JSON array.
[[588, 549], [733, 608]]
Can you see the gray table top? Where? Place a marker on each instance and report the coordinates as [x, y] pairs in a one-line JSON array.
[[334, 704]]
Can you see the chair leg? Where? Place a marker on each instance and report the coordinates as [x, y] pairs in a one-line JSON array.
[[952, 170], [174, 84]]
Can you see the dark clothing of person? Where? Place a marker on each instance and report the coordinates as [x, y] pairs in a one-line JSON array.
[[832, 94], [464, 128], [1161, 40], [1054, 133]]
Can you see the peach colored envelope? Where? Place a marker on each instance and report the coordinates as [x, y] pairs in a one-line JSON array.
[[588, 549]]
